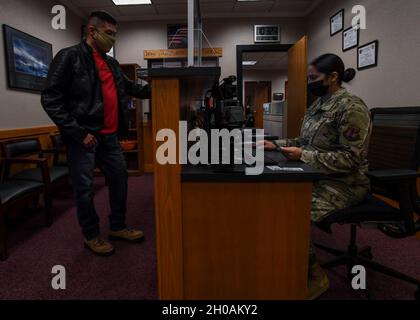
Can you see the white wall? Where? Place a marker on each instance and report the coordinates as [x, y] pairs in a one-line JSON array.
[[396, 24], [18, 108], [134, 37]]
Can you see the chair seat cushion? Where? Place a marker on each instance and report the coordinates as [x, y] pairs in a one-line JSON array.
[[14, 189], [370, 210], [56, 173]]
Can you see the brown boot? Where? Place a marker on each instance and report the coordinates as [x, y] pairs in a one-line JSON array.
[[128, 235], [100, 247], [318, 282]]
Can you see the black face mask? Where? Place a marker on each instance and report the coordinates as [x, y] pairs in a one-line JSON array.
[[318, 89]]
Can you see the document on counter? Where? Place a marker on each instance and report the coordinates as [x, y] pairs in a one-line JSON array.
[[277, 168]]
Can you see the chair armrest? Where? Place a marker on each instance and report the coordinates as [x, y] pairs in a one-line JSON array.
[[394, 175], [38, 161], [54, 150]]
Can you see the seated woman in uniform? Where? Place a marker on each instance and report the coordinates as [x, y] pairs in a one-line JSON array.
[[334, 138]]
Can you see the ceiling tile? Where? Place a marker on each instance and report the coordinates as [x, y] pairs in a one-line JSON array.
[[164, 9], [136, 10], [111, 10], [172, 9], [257, 6], [92, 3], [216, 7]]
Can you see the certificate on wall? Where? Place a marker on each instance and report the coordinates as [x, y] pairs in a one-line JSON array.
[[337, 22], [350, 38], [367, 55]]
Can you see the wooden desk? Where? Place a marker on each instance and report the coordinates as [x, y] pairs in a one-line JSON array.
[[225, 235]]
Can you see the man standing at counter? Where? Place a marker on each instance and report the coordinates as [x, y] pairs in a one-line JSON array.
[[86, 97]]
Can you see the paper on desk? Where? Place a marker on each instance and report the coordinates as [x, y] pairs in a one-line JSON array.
[[277, 168]]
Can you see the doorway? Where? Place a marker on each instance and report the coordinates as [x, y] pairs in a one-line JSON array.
[[286, 101], [257, 93]]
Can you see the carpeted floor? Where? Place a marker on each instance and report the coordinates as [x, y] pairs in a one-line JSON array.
[[131, 272]]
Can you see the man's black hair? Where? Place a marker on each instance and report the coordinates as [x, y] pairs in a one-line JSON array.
[[103, 16]]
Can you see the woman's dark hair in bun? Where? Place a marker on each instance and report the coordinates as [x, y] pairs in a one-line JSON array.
[[349, 74], [329, 63]]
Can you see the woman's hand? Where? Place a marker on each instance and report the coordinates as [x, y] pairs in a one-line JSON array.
[[292, 153], [269, 146]]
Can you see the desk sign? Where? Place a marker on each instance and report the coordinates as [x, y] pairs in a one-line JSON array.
[[350, 38], [367, 55], [337, 23]]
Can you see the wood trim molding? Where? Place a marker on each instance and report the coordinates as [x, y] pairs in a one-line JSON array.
[[26, 132], [179, 53]]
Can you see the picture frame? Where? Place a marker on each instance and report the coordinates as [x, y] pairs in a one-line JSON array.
[[337, 23], [267, 34], [27, 60], [351, 38], [177, 36], [367, 55]]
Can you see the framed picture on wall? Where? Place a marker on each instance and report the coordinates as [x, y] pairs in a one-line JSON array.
[[27, 60], [367, 55], [337, 23], [350, 38], [177, 36]]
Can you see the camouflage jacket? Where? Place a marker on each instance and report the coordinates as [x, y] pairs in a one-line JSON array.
[[335, 137]]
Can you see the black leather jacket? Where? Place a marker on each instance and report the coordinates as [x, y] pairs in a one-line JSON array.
[[73, 93]]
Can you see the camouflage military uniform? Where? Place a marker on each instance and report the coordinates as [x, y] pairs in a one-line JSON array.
[[334, 138]]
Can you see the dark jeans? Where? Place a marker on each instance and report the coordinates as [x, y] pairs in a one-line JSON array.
[[107, 155]]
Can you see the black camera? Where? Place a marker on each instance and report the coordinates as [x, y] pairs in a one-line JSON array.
[[223, 107]]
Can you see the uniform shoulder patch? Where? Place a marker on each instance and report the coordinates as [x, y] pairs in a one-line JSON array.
[[352, 133]]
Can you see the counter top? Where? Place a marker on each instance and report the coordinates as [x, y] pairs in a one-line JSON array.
[[208, 173]]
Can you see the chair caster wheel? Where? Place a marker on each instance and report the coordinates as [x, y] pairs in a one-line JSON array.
[[367, 254]]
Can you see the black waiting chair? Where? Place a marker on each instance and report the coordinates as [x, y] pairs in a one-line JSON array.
[[17, 194], [59, 150], [30, 148], [394, 157]]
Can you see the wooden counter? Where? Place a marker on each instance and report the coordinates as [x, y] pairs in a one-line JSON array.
[[225, 236]]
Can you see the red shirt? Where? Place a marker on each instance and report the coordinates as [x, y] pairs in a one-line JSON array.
[[109, 95]]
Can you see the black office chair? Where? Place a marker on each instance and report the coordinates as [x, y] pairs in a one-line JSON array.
[[394, 157]]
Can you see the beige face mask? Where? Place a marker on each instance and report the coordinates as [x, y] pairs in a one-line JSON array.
[[104, 41]]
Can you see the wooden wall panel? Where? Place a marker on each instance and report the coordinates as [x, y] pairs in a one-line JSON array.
[[297, 99]]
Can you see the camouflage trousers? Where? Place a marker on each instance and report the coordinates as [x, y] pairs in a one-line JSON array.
[[328, 196]]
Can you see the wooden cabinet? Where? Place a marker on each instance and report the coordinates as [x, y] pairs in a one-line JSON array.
[[134, 157]]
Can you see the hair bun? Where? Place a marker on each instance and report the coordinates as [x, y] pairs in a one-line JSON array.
[[349, 75]]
